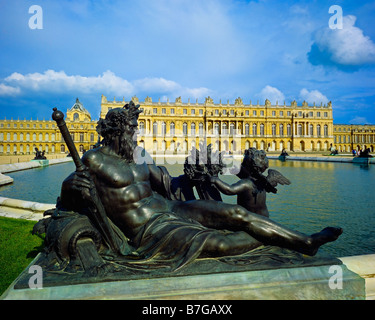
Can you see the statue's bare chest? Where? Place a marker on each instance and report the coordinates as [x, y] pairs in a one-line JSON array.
[[119, 174]]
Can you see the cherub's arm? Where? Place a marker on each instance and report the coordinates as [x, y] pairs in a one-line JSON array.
[[228, 189]]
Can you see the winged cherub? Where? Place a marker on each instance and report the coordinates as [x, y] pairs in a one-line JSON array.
[[251, 190]]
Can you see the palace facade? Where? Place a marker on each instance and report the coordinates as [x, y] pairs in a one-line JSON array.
[[178, 126], [23, 136], [347, 137]]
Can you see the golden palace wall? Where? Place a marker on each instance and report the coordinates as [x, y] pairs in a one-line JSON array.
[[178, 126]]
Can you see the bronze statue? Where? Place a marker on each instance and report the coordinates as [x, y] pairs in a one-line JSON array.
[[123, 201], [39, 155], [252, 189]]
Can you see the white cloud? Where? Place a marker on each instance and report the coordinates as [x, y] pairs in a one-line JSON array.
[[107, 83], [271, 93], [359, 120], [53, 81], [8, 90], [346, 46], [313, 96]]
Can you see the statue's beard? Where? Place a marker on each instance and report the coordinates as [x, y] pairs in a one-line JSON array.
[[127, 145]]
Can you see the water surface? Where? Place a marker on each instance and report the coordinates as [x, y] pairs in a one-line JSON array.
[[321, 194]]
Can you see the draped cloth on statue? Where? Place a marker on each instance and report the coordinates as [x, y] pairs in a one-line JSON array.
[[168, 240]]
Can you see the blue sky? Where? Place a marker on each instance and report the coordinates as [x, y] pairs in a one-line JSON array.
[[280, 50]]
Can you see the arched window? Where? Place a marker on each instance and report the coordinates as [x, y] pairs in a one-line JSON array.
[[262, 131], [201, 130], [172, 129], [225, 129], [255, 129], [192, 129], [247, 131], [318, 131], [281, 130], [185, 129], [155, 128], [75, 116], [141, 128], [274, 130], [299, 130], [216, 128], [325, 130], [231, 129]]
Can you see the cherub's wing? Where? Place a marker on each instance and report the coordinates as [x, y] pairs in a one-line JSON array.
[[275, 177]]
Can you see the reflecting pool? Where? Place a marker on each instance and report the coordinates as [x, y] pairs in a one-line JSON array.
[[321, 194]]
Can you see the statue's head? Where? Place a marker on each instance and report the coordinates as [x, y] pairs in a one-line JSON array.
[[120, 122], [255, 160]]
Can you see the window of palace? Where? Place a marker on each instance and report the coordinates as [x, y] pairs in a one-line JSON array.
[[254, 113], [172, 111], [216, 112], [163, 111], [262, 113], [274, 113], [184, 111], [171, 128], [193, 129], [261, 129], [201, 128], [193, 111], [247, 129], [281, 113], [155, 128], [274, 129], [246, 112], [154, 110], [216, 128], [318, 114]]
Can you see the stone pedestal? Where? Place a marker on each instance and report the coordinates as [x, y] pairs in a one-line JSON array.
[[327, 282]]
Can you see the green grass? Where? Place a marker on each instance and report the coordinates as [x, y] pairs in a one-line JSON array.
[[18, 247]]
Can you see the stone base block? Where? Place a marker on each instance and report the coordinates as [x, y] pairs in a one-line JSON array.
[[303, 283]]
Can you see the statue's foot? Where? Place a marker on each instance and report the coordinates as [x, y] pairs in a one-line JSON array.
[[328, 234]]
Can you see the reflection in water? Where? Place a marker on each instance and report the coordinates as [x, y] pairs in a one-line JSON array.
[[321, 194]]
